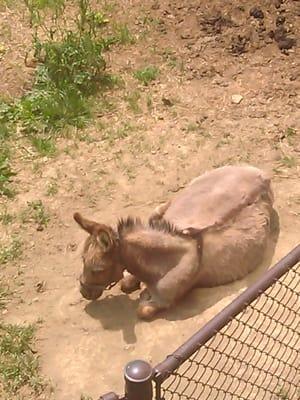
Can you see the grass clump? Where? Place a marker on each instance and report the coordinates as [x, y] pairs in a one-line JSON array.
[[146, 75], [19, 364]]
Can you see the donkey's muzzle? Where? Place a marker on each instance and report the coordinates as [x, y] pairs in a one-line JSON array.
[[90, 292]]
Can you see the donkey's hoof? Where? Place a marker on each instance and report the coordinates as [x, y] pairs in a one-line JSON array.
[[147, 311]]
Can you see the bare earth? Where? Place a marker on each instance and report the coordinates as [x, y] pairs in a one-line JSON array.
[[190, 125]]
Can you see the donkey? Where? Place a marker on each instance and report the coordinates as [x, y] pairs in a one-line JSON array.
[[213, 232]]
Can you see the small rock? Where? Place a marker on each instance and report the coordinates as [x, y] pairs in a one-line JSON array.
[[4, 312], [167, 102], [35, 300], [236, 98], [40, 286], [280, 20], [277, 3], [294, 76], [257, 114], [72, 247], [40, 228], [286, 43], [186, 35], [129, 347], [256, 12]]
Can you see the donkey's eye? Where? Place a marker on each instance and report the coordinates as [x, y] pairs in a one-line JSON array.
[[98, 269]]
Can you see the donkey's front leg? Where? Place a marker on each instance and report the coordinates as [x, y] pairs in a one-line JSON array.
[[130, 283], [171, 287], [149, 305]]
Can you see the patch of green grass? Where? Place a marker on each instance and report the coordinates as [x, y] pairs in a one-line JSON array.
[[19, 364], [6, 172], [121, 132], [288, 161], [133, 99], [4, 293], [290, 132], [35, 212], [147, 74], [45, 147], [10, 251]]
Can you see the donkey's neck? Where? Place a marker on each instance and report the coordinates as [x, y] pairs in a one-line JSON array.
[[149, 254]]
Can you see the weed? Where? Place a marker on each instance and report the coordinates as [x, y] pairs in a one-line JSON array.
[[192, 127], [6, 218], [122, 34], [147, 74], [45, 147], [52, 188], [119, 133], [149, 102], [35, 212], [19, 365], [288, 161], [133, 101], [283, 394], [10, 251]]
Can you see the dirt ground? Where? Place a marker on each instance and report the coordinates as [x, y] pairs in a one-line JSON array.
[[226, 94]]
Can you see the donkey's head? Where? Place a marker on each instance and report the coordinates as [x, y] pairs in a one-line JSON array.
[[101, 266]]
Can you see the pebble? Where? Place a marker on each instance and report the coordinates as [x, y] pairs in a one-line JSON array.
[[236, 98], [256, 13]]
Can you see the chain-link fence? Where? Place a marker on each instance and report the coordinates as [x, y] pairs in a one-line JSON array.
[[250, 350], [255, 356]]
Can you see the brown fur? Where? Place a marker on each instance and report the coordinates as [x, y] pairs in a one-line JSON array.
[[214, 232]]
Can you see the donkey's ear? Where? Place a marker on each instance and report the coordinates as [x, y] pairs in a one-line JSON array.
[[89, 226], [105, 240]]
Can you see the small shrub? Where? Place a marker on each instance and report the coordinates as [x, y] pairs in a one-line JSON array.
[[71, 68]]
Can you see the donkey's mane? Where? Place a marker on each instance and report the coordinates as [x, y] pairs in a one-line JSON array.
[[129, 224]]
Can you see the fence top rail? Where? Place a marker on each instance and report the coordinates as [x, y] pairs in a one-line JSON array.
[[164, 369]]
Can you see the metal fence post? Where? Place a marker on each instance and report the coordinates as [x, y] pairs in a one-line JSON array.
[[138, 380]]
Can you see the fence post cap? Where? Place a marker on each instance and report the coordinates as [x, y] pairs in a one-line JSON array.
[[138, 371]]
